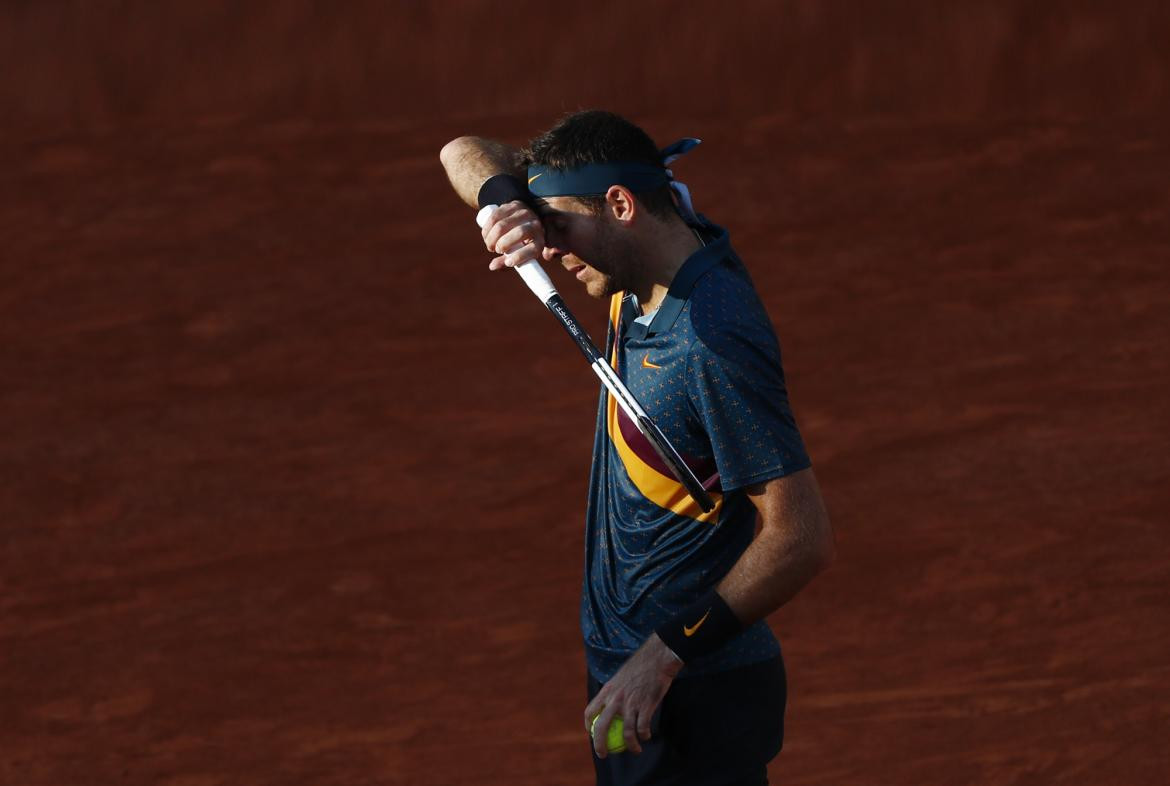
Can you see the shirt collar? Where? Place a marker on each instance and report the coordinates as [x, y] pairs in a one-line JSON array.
[[718, 246]]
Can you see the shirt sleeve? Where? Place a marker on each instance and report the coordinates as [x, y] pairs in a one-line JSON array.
[[736, 392]]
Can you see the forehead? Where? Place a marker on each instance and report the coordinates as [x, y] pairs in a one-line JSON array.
[[548, 206]]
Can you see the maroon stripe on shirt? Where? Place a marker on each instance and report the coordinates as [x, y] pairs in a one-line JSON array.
[[646, 452]]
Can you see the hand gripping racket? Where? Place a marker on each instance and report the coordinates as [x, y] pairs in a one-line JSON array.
[[541, 286]]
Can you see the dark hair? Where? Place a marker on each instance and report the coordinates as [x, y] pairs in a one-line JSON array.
[[596, 137]]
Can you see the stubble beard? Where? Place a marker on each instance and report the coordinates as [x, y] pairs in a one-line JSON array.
[[622, 264]]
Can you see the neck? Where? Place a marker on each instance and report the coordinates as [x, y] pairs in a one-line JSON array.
[[665, 249]]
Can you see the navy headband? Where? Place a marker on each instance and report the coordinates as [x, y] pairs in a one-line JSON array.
[[595, 179]]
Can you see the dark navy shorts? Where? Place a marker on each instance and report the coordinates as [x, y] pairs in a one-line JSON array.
[[717, 729]]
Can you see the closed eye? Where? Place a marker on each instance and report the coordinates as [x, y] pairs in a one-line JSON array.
[[553, 221]]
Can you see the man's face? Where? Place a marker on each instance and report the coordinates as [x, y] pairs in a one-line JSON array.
[[587, 245]]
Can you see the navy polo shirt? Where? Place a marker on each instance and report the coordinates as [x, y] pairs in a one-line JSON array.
[[707, 370]]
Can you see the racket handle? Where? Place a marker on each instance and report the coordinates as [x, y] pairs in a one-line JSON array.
[[537, 280], [531, 271]]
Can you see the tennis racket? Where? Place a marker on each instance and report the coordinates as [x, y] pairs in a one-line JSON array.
[[540, 284]]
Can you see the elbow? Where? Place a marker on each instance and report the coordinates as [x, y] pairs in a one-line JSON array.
[[827, 554], [453, 150], [824, 553]]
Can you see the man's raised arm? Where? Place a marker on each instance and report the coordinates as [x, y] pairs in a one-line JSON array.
[[514, 231], [471, 160]]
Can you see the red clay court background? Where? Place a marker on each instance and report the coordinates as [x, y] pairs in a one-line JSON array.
[[291, 488]]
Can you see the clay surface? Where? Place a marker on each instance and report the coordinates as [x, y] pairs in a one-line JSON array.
[[292, 487]]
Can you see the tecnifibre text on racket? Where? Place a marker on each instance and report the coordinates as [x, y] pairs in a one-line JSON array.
[[541, 285]]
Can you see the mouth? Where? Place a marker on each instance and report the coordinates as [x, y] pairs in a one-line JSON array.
[[577, 270]]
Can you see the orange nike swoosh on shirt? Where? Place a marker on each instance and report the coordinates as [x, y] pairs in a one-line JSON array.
[[647, 364], [689, 630], [534, 177]]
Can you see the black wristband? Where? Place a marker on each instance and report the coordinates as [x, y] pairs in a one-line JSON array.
[[701, 628], [501, 189]]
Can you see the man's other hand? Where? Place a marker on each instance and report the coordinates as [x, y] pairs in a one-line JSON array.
[[634, 693]]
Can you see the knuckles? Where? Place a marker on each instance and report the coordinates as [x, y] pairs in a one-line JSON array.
[[511, 231]]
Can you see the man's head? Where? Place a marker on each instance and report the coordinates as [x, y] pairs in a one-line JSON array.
[[599, 137], [598, 236]]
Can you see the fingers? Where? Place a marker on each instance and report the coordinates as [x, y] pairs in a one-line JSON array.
[[514, 233], [594, 707], [630, 731], [519, 256], [601, 729], [527, 250], [525, 233], [630, 717], [508, 226], [643, 725]]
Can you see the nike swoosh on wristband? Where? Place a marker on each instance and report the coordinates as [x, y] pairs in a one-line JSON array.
[[689, 630]]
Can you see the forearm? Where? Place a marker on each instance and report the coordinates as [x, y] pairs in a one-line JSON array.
[[794, 544], [470, 160], [767, 575]]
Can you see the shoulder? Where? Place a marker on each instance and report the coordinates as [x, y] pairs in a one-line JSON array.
[[725, 314]]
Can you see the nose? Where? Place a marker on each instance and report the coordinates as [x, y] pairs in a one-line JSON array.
[[552, 253]]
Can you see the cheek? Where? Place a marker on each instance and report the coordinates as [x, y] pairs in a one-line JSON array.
[[567, 240], [555, 237]]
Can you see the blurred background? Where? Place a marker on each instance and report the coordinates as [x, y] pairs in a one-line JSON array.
[[292, 488]]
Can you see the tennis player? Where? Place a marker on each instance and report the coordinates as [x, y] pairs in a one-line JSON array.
[[674, 599]]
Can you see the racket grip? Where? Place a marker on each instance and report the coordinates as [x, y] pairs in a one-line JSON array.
[[537, 280], [531, 271]]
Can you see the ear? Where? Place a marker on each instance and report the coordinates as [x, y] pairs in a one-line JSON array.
[[621, 204]]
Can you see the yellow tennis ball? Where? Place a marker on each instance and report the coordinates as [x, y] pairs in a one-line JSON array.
[[615, 741]]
